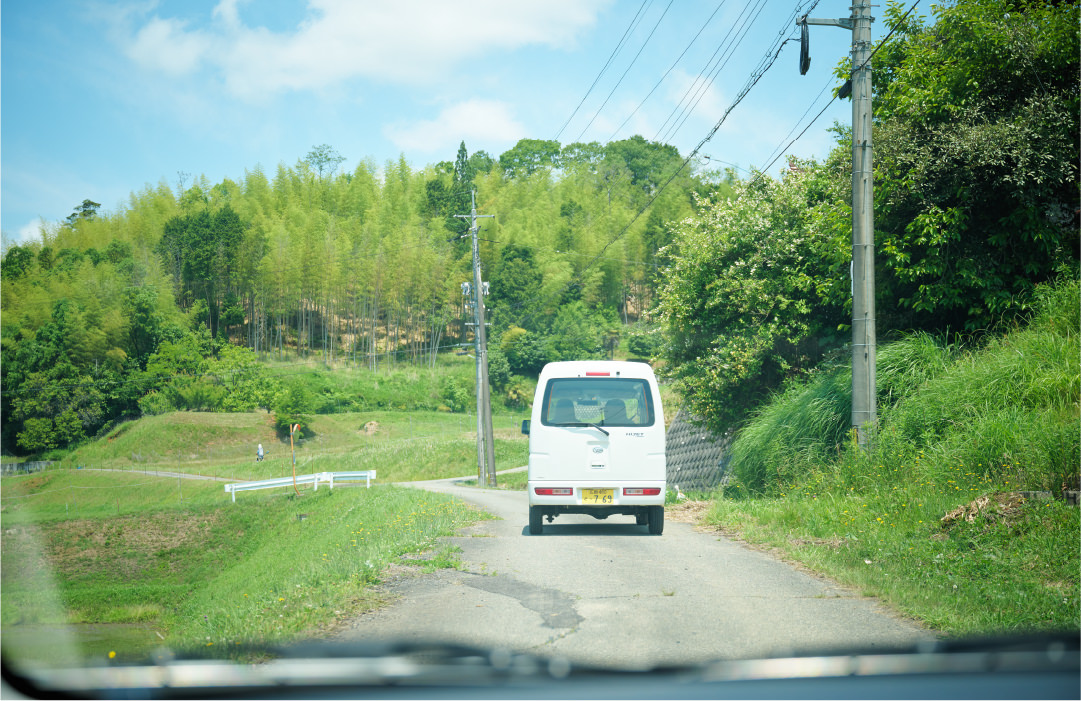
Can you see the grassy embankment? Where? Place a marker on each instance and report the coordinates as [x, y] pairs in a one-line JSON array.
[[201, 572], [931, 519]]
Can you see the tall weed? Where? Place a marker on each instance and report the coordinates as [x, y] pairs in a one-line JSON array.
[[806, 426], [958, 431]]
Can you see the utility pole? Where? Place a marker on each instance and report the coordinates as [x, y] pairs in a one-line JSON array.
[[485, 440], [864, 405]]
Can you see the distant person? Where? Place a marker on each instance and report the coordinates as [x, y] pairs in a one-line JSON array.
[[259, 453]]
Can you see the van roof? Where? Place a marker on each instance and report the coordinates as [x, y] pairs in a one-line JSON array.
[[585, 368]]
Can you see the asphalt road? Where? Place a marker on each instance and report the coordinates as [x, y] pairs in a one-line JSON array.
[[607, 593]]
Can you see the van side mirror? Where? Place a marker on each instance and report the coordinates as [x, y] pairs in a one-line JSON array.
[[525, 426]]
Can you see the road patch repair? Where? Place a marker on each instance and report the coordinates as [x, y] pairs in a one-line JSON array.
[[556, 608]]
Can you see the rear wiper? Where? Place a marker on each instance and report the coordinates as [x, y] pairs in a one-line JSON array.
[[584, 423]]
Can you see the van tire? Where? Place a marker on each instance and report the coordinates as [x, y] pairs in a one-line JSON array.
[[536, 521], [656, 520]]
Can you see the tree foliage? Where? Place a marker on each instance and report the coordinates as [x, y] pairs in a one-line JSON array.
[[311, 261], [743, 307], [976, 159], [976, 204]]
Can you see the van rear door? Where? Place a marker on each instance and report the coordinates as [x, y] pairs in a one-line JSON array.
[[599, 428]]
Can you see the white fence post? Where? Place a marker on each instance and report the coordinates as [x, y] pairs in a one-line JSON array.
[[314, 479]]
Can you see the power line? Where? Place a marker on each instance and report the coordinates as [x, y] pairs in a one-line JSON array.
[[764, 65], [704, 86], [615, 51], [706, 70], [629, 66], [776, 153], [568, 253], [886, 38], [670, 68]]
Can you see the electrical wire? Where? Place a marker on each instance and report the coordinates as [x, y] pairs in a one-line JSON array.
[[701, 87], [884, 39], [722, 48], [764, 65], [629, 66], [670, 69], [776, 153], [615, 52]]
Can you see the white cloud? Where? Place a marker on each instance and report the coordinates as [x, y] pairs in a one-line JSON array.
[[477, 121], [31, 231], [410, 41], [165, 45]]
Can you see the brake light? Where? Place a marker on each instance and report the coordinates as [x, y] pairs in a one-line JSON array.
[[641, 491], [598, 374], [553, 491]]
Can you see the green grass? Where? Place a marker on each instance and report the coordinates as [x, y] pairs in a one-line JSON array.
[[955, 426], [126, 548], [59, 495], [400, 445], [213, 574]]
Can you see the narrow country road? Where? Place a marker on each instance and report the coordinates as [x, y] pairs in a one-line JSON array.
[[605, 592]]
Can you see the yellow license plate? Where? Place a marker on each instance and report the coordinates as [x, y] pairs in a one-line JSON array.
[[597, 496]]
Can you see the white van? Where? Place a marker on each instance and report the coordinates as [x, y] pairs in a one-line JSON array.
[[596, 443]]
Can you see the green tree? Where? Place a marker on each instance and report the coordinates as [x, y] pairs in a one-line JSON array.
[[200, 250], [293, 405], [650, 163], [87, 211], [246, 382], [741, 306], [18, 261], [528, 156], [323, 159], [578, 333], [58, 408], [976, 160], [144, 322], [518, 284]]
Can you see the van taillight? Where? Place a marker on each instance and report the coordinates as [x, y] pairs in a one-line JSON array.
[[553, 491], [641, 491], [598, 374]]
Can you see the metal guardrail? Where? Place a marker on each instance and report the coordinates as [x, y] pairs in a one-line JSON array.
[[320, 477]]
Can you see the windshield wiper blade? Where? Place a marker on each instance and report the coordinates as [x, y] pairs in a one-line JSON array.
[[583, 423]]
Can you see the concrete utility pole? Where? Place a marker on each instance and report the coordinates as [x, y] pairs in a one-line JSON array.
[[485, 439], [864, 405]]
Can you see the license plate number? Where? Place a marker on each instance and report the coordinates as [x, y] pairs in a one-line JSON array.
[[597, 496]]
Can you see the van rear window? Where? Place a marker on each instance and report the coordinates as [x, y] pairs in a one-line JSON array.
[[605, 401]]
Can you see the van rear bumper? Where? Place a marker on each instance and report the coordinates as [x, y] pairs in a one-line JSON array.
[[573, 504], [594, 511]]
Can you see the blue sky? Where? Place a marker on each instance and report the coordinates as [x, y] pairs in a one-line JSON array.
[[101, 99]]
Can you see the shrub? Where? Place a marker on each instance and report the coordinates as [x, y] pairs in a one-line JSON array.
[[155, 403]]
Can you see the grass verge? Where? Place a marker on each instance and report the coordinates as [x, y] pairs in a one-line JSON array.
[[212, 575], [932, 518]]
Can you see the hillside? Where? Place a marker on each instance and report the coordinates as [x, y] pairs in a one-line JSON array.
[[399, 445]]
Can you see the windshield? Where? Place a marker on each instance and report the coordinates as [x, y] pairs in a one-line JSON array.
[[324, 323]]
